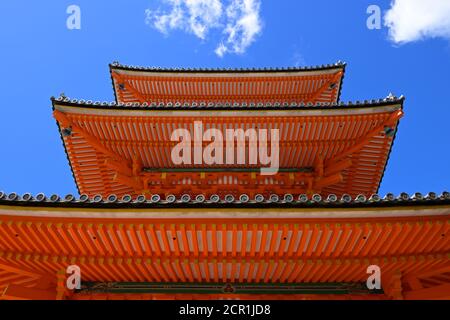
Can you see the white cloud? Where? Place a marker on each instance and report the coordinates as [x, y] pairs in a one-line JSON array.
[[194, 16], [298, 59], [221, 50], [412, 20], [238, 20], [244, 24]]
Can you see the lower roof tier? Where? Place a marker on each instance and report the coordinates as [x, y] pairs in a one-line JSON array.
[[410, 243], [130, 150]]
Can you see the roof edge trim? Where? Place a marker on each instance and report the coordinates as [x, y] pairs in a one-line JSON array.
[[316, 201], [63, 100], [118, 66]]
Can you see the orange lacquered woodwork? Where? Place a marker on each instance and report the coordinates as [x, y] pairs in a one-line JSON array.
[[346, 153], [235, 250], [325, 147], [234, 87]]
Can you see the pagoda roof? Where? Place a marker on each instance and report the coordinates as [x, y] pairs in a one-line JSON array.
[[129, 243], [98, 131], [303, 84]]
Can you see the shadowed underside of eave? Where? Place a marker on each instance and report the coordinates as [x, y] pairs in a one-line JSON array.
[[38, 243], [307, 85], [353, 143]]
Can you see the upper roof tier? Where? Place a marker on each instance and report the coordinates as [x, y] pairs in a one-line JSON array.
[[320, 84]]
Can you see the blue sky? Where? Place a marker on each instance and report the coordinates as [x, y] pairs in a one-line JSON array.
[[41, 57]]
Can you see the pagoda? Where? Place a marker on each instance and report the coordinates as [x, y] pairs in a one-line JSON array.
[[147, 227]]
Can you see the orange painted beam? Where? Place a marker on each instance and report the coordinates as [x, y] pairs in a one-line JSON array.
[[441, 292], [394, 117], [15, 292]]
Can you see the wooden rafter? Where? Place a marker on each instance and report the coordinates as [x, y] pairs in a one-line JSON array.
[[22, 271], [125, 169], [326, 86], [437, 292], [127, 86], [101, 237], [393, 118], [16, 292]]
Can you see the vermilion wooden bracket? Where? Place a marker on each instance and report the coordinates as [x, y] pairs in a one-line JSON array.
[[364, 140], [325, 87], [128, 87], [127, 172]]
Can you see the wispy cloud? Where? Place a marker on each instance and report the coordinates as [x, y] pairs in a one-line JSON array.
[[297, 58], [194, 16], [412, 20], [243, 25], [238, 21]]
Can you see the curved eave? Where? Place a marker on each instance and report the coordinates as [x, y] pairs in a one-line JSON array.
[[341, 84], [386, 102], [336, 66], [323, 206], [68, 158], [388, 157]]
